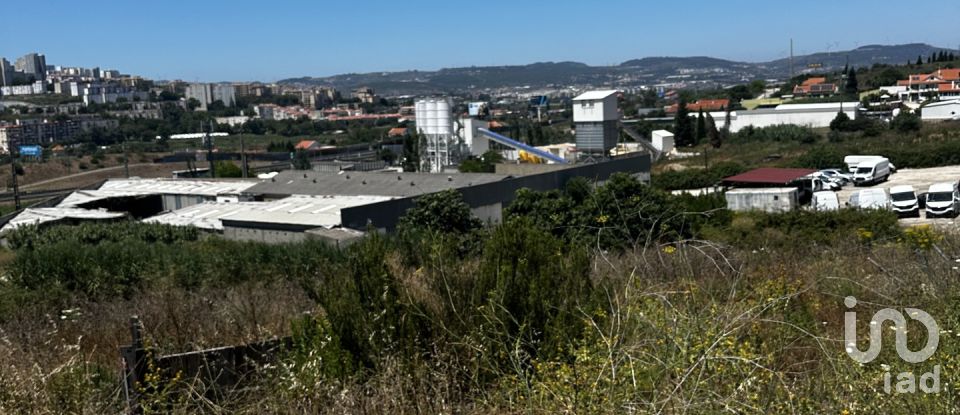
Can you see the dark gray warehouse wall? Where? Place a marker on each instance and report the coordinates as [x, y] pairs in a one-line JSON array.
[[385, 215]]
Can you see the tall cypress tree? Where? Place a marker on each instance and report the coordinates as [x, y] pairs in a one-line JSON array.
[[919, 60], [852, 83], [683, 128], [701, 127], [716, 140]]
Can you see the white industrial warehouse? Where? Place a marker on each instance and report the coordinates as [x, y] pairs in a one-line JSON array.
[[810, 115]]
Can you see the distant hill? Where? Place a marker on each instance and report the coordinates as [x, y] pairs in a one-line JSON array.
[[695, 70], [861, 56]]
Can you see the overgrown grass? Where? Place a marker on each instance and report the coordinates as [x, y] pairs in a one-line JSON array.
[[791, 146], [512, 318]]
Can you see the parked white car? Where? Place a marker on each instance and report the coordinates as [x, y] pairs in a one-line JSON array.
[[837, 175]]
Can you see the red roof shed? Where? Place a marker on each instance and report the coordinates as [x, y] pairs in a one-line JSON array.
[[767, 176]]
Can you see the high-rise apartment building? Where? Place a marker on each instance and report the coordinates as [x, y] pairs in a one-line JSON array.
[[33, 64]]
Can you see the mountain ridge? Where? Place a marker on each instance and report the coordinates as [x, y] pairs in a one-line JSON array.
[[646, 71]]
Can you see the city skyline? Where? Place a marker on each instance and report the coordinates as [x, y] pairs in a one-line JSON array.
[[220, 41]]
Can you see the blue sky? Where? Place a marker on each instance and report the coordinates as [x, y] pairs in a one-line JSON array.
[[270, 40]]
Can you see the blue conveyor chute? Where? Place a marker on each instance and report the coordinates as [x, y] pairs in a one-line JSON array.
[[507, 141]]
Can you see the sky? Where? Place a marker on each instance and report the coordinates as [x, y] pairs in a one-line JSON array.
[[242, 40]]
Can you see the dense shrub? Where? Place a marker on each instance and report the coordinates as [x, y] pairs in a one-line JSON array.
[[692, 178], [905, 122], [783, 132], [920, 152], [118, 259], [90, 233], [758, 229]]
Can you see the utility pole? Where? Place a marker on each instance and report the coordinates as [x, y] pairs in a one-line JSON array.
[[126, 158], [14, 151], [213, 169], [791, 58], [706, 159], [243, 157]]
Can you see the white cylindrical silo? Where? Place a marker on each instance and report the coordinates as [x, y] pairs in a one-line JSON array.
[[431, 112], [420, 112], [443, 117]]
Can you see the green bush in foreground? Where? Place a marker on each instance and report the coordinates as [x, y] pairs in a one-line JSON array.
[[667, 305]]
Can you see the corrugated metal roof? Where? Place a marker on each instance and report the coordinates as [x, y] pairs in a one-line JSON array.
[[762, 190], [302, 210], [205, 215], [595, 95], [768, 175], [35, 216], [818, 106], [316, 211], [179, 186], [350, 183], [80, 197]]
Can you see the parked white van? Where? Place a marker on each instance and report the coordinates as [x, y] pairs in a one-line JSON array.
[[870, 199], [872, 171], [825, 200], [853, 161], [943, 199], [903, 200]]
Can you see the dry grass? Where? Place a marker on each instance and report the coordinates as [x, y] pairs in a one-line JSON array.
[[683, 328]]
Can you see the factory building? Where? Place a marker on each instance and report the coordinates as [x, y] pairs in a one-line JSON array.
[[336, 208], [597, 122]]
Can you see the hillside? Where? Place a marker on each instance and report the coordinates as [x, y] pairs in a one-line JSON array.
[[635, 72]]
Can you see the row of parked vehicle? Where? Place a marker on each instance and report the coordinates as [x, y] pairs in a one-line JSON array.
[[861, 171], [940, 200]]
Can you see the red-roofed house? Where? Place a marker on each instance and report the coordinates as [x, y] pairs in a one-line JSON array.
[[942, 84], [707, 105], [815, 87], [307, 145], [397, 132]]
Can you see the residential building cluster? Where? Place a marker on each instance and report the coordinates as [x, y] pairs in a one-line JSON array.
[[48, 131], [207, 94], [30, 75], [942, 85]]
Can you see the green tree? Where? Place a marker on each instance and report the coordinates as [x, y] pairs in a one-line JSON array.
[[386, 155], [739, 93], [757, 87], [411, 152], [226, 168], [682, 125], [840, 122], [888, 76], [715, 140], [443, 211], [919, 60], [852, 84], [701, 127], [905, 122], [301, 160]]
